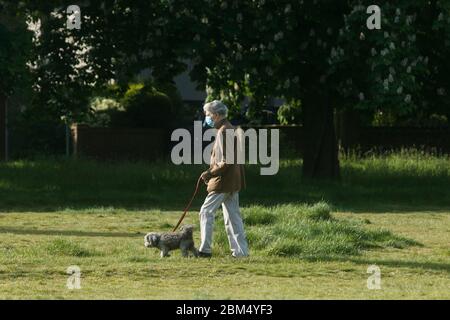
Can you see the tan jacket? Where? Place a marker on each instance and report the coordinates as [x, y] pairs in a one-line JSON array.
[[226, 177]]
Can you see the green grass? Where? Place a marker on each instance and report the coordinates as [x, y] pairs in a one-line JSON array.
[[307, 239], [65, 247], [408, 181], [308, 231]]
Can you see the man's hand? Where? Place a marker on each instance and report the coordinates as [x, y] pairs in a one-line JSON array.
[[206, 176]]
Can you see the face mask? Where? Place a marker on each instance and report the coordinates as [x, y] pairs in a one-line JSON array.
[[209, 121]]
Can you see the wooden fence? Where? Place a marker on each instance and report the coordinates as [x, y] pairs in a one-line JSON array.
[[118, 143], [151, 144]]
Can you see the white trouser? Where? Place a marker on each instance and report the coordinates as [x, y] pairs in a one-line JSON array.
[[232, 219]]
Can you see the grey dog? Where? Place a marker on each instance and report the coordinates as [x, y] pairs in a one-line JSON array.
[[168, 241]]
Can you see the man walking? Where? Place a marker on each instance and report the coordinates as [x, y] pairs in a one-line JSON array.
[[224, 179]]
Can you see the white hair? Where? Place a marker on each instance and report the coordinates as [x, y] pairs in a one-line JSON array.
[[216, 107]]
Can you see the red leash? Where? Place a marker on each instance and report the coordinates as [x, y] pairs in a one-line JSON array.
[[189, 204]]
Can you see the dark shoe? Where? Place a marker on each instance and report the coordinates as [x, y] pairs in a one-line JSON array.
[[204, 254]]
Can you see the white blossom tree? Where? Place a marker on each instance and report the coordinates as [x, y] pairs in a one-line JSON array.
[[322, 53]]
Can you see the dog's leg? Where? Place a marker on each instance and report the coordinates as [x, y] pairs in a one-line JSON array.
[[184, 247], [194, 251], [164, 252]]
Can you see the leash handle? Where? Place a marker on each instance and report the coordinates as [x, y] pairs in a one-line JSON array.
[[189, 204]]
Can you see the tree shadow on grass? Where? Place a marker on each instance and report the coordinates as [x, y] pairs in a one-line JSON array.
[[49, 186], [68, 233], [373, 204]]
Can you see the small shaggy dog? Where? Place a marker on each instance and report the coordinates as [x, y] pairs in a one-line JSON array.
[[168, 241]]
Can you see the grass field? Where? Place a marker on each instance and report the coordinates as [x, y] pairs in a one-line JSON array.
[[307, 239]]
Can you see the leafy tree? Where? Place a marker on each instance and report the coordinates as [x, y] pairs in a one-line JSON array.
[[322, 53], [145, 107], [289, 113], [318, 52], [117, 40], [15, 46], [15, 42]]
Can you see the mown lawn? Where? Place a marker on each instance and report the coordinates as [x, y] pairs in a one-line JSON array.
[[308, 239]]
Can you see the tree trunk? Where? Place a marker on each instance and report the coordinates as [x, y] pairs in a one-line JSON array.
[[348, 129], [2, 127], [320, 149]]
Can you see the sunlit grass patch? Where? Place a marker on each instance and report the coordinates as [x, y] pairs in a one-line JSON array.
[[67, 247], [58, 213], [306, 230]]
